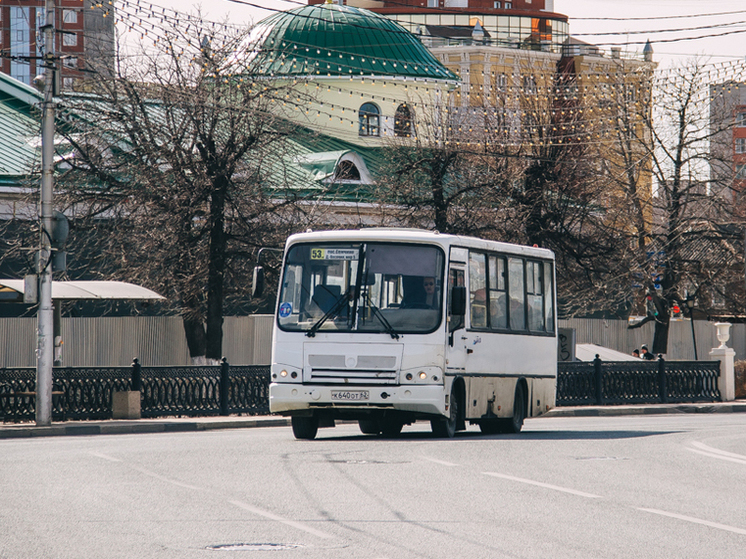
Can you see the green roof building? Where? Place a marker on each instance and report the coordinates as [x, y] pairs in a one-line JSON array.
[[361, 77]]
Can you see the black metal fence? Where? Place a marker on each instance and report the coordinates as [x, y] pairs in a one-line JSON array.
[[637, 382], [86, 392]]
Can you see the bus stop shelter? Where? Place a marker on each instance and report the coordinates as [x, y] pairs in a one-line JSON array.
[[19, 291]]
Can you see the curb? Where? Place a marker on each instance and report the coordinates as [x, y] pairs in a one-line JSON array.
[[648, 409], [120, 427]]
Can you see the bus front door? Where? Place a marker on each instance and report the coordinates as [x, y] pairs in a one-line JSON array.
[[456, 342]]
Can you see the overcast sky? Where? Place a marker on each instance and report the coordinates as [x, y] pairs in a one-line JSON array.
[[584, 19]]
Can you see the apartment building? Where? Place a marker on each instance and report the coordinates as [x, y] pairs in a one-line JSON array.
[[728, 144], [84, 39]]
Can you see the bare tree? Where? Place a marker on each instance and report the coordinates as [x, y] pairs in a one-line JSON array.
[[172, 157], [681, 233], [516, 168]]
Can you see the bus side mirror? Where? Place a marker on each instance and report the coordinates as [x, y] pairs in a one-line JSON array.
[[458, 301], [257, 284]]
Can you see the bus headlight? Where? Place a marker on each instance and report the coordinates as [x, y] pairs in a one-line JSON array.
[[283, 373], [424, 375]]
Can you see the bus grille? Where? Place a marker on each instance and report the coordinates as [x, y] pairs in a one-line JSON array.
[[347, 376]]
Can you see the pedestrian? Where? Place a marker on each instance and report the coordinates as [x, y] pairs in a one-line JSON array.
[[645, 354], [636, 353]]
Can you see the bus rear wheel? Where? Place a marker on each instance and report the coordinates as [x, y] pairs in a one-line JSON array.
[[514, 423], [305, 428]]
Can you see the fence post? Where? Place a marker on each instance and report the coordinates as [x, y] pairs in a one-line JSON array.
[[662, 384], [599, 381], [224, 386], [136, 376], [126, 404]]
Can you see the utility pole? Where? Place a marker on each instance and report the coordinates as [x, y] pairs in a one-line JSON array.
[[45, 333]]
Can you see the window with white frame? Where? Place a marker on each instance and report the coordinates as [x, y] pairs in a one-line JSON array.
[[70, 61], [740, 145], [497, 5], [432, 3], [70, 39], [508, 5], [501, 82], [529, 85], [370, 120], [70, 16], [741, 118], [740, 172]]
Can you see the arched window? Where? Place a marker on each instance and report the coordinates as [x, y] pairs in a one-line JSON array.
[[370, 120], [403, 121], [347, 171]]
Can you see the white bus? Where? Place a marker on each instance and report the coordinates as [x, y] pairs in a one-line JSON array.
[[390, 326]]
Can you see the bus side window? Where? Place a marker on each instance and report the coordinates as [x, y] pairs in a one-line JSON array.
[[517, 293], [477, 290], [498, 293], [548, 299], [535, 296]]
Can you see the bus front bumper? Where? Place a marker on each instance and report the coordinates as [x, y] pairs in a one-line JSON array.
[[289, 398]]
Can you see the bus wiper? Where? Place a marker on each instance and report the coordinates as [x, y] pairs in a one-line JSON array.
[[334, 311], [387, 325]]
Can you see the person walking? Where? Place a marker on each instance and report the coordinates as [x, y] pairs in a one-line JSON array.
[[645, 354]]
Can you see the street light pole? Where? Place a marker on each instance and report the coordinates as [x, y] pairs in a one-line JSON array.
[[45, 334]]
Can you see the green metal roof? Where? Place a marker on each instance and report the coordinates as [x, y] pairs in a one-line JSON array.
[[19, 123], [335, 40], [308, 169]]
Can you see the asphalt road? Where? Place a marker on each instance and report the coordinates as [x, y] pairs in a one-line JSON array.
[[568, 487]]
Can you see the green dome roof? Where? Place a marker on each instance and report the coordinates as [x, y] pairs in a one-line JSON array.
[[334, 40]]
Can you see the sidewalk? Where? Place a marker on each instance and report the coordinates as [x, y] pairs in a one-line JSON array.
[[175, 425]]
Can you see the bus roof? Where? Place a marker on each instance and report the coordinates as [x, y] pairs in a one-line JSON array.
[[393, 234]]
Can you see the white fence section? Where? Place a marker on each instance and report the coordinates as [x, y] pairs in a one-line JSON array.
[[115, 341], [615, 334], [247, 340]]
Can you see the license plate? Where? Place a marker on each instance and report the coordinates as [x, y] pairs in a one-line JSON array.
[[350, 395]]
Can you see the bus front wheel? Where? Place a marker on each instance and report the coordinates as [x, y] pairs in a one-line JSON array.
[[446, 427], [305, 428]]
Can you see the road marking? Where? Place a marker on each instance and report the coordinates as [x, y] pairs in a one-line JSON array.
[[441, 462], [544, 485], [716, 453], [167, 480], [696, 521], [104, 456], [272, 516]]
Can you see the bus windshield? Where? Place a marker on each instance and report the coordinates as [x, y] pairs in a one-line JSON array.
[[392, 288]]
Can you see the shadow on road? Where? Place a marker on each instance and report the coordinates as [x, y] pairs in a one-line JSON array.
[[524, 436]]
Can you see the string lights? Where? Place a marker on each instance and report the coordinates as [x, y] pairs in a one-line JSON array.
[[587, 107]]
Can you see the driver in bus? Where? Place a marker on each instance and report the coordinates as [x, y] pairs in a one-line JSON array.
[[431, 298]]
